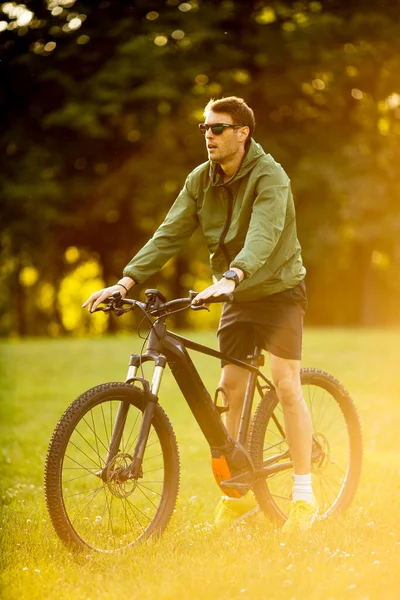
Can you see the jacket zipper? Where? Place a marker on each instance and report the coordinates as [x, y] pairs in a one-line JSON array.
[[225, 230]]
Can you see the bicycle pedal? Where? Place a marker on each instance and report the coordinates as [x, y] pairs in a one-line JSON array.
[[235, 485]]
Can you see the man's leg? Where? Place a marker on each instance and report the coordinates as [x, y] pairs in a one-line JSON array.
[[286, 378], [298, 426], [234, 382]]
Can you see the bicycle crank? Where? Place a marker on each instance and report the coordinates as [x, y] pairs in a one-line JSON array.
[[233, 469]]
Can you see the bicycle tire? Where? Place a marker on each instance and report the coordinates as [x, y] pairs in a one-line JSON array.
[[88, 511], [336, 425]]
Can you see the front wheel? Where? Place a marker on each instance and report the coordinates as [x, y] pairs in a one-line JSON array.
[[90, 504], [337, 447]]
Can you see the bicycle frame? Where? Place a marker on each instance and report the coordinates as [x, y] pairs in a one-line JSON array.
[[232, 466]]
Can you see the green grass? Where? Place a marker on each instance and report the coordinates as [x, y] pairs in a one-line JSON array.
[[354, 557]]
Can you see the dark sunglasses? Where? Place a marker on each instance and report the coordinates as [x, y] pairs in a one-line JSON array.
[[217, 128]]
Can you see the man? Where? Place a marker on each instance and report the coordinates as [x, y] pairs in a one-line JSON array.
[[241, 198]]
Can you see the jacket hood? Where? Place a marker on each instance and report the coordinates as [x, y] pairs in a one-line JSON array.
[[253, 154]]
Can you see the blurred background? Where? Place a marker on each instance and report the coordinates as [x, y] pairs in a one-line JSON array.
[[99, 105]]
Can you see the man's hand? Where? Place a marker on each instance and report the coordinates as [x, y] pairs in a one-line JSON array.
[[102, 295], [224, 286]]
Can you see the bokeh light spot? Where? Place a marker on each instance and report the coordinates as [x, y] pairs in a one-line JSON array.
[[351, 71], [28, 276], [50, 46], [82, 39], [71, 255], [178, 34], [133, 136], [357, 94], [161, 40], [318, 84], [266, 16], [201, 79], [241, 76], [383, 125], [393, 101], [75, 23]]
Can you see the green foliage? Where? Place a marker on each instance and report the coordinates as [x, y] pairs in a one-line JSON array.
[[100, 106]]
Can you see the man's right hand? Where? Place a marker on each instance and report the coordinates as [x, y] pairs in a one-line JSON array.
[[102, 295]]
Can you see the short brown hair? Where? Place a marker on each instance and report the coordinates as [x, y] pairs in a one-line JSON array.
[[240, 112]]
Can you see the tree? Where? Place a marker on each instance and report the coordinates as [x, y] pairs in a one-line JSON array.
[[100, 106]]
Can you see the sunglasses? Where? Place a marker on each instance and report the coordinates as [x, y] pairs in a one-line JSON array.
[[217, 128]]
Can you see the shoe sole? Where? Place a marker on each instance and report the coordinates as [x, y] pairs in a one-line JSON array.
[[249, 513], [315, 518]]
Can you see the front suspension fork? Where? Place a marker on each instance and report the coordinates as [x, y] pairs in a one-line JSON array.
[[133, 471]]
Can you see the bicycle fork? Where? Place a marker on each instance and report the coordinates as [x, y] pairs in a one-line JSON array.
[[134, 470]]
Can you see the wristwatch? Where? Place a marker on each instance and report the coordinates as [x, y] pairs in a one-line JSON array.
[[231, 274]]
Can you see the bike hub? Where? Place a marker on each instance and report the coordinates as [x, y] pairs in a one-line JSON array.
[[117, 478]]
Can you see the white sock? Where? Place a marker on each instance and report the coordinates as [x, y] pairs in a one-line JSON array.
[[302, 488]]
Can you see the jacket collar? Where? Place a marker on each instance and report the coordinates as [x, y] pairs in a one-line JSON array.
[[251, 157]]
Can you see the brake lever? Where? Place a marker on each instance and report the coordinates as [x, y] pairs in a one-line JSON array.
[[100, 309], [200, 307]]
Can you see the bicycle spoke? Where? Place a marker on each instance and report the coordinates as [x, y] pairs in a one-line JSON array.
[[139, 487], [93, 494], [152, 470], [80, 465], [66, 496], [139, 510], [151, 457], [90, 445], [105, 426], [133, 510], [95, 434], [110, 522], [84, 453]]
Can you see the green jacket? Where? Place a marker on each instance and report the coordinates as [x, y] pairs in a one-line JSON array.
[[248, 222]]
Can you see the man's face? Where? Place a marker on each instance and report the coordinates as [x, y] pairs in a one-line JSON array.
[[224, 146]]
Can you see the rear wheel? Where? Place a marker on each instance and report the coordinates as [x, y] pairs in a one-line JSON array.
[[89, 502], [337, 447]]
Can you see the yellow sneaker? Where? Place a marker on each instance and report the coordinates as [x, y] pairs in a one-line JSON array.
[[301, 517], [232, 510]]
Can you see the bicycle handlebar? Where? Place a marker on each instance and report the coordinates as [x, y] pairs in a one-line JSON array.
[[157, 305]]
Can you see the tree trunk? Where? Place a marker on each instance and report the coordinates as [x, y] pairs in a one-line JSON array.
[[19, 304]]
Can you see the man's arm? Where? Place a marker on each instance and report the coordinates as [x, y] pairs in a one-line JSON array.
[[170, 237]]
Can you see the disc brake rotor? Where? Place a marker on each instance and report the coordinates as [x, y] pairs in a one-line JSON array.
[[119, 486]]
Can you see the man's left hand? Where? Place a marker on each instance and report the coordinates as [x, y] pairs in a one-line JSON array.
[[224, 286]]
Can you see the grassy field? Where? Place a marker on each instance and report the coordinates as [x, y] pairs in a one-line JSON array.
[[355, 558]]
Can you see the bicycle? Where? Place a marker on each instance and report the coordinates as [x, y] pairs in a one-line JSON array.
[[112, 469]]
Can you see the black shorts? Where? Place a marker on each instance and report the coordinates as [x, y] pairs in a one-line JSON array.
[[274, 323]]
